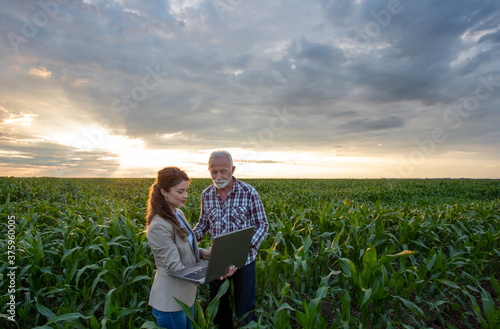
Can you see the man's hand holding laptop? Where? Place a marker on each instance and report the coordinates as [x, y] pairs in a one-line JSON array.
[[205, 254], [230, 271]]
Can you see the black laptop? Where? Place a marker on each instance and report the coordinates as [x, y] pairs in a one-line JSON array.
[[227, 249]]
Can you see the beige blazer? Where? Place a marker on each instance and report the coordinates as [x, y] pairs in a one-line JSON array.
[[171, 253]]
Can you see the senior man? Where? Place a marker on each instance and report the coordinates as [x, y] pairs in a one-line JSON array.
[[229, 205]]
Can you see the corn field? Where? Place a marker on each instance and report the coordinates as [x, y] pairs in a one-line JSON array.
[[339, 254]]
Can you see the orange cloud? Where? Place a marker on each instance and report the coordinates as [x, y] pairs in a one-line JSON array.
[[40, 72], [23, 119]]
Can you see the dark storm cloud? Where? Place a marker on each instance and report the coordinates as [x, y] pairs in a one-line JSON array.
[[319, 54], [362, 125], [205, 76], [56, 159]]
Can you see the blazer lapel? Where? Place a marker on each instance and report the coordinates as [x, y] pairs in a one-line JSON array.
[[195, 247]]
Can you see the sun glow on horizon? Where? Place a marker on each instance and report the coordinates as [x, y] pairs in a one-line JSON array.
[[90, 138], [114, 155]]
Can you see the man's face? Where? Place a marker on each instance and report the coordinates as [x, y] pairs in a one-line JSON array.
[[220, 171]]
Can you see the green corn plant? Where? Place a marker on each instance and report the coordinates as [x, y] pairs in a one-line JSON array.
[[149, 325], [282, 316], [78, 239], [372, 283], [55, 320], [277, 315], [205, 318], [486, 306], [311, 316]]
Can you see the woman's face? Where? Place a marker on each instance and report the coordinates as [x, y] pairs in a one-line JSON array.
[[177, 195]]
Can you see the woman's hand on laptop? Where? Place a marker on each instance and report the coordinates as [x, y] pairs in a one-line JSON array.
[[230, 271], [205, 253]]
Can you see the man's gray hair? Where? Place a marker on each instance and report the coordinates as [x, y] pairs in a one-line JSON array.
[[221, 153]]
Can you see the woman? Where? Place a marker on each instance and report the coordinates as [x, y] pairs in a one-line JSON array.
[[174, 247]]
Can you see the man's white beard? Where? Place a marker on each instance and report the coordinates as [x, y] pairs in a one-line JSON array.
[[221, 183]]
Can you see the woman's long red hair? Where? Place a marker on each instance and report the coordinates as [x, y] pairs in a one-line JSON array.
[[157, 205]]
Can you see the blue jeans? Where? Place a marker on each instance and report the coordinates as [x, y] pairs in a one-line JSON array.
[[173, 320], [244, 298]]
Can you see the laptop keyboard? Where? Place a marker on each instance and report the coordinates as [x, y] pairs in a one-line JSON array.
[[196, 275]]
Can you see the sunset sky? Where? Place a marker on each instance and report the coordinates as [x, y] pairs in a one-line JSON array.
[[293, 89]]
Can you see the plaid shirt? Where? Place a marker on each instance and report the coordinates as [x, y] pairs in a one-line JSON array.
[[242, 208]]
